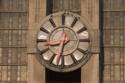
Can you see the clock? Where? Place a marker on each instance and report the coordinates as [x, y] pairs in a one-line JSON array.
[[63, 42]]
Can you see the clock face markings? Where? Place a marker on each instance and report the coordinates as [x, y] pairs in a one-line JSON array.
[[42, 37], [77, 55], [74, 22], [48, 26], [84, 40], [69, 45], [55, 60], [62, 61], [68, 20], [52, 58], [63, 19], [84, 46], [63, 42], [73, 58], [47, 55], [44, 30], [41, 40], [78, 25], [81, 50], [52, 22], [68, 60], [41, 46], [81, 30], [44, 50], [84, 35]]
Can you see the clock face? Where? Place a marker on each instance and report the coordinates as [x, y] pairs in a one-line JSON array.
[[63, 42]]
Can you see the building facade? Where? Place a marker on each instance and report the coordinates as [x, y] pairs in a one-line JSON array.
[[18, 30]]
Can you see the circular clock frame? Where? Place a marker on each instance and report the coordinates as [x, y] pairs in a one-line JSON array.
[[59, 24]]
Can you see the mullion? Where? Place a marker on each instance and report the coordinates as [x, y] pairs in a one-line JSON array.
[[0, 72], [113, 65], [120, 65], [121, 77], [110, 64], [20, 2], [113, 50], [124, 65], [10, 4]]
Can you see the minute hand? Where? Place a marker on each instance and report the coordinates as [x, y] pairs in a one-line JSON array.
[[61, 47]]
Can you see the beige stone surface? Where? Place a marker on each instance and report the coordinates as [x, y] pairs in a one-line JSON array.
[[90, 72], [90, 11], [37, 11], [36, 72]]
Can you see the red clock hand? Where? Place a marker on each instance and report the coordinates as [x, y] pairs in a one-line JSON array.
[[62, 42], [53, 43], [66, 38], [60, 51]]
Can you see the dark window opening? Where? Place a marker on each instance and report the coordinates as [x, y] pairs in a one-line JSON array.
[[67, 77], [49, 7]]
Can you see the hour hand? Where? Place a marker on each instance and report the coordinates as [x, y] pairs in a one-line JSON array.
[[66, 39], [52, 43]]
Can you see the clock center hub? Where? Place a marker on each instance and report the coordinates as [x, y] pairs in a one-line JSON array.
[[56, 36]]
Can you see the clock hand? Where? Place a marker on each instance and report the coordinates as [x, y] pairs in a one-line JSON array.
[[60, 51], [62, 42], [53, 43], [66, 39]]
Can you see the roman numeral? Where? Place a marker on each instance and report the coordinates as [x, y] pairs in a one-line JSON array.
[[81, 30], [74, 22], [41, 40], [84, 40], [52, 22], [62, 61], [63, 19], [43, 51], [52, 58], [81, 50], [44, 30], [73, 58]]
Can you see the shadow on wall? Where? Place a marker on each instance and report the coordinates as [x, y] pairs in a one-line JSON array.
[[69, 77], [101, 57]]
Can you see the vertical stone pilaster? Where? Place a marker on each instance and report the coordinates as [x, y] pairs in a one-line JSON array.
[[90, 11], [90, 72], [37, 11]]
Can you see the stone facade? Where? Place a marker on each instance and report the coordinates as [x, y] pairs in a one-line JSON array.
[[37, 11]]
